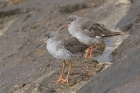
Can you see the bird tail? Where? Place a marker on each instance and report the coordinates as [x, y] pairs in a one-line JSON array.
[[107, 33], [113, 34]]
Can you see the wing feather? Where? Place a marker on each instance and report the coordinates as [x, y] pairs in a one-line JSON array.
[[93, 29], [73, 45]]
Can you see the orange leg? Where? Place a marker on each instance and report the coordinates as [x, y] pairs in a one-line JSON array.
[[61, 78], [87, 52], [67, 78], [92, 48]]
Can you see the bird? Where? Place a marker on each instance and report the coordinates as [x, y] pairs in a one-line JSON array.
[[87, 31], [64, 47]]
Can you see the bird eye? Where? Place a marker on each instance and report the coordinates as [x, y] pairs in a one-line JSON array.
[[48, 37], [45, 39], [68, 22], [71, 20]]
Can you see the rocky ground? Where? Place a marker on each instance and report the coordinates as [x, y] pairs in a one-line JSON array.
[[26, 70]]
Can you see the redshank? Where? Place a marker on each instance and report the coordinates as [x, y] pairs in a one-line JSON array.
[[64, 47], [87, 31]]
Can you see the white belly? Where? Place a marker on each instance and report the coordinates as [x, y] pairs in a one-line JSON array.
[[58, 52], [77, 33]]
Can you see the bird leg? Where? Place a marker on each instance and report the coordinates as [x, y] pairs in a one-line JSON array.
[[87, 52], [61, 78], [67, 78], [92, 47]]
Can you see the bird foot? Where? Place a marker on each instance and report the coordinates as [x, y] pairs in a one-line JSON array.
[[61, 81], [90, 55], [91, 50], [87, 52], [65, 81]]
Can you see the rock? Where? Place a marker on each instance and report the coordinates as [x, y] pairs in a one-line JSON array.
[[123, 75], [26, 70]]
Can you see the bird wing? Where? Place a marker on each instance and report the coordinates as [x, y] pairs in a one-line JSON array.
[[93, 29], [74, 46]]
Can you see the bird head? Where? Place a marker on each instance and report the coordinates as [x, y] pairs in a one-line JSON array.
[[70, 19], [47, 36]]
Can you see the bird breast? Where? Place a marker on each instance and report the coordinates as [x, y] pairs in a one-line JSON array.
[[76, 31], [57, 50]]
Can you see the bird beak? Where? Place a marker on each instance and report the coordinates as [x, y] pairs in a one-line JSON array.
[[41, 43], [66, 25]]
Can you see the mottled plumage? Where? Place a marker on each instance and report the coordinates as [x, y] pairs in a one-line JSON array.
[[64, 46], [94, 29], [87, 31]]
